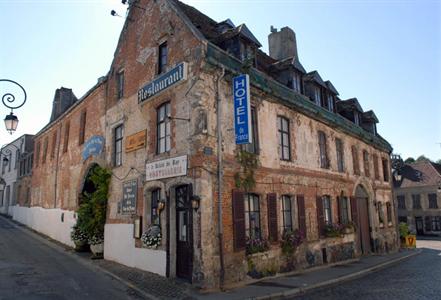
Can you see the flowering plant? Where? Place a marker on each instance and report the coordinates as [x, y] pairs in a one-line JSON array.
[[151, 238], [291, 239], [96, 239], [78, 235], [334, 230], [254, 245]]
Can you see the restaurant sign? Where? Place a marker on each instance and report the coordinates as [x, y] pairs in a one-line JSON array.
[[162, 82], [130, 193], [171, 167]]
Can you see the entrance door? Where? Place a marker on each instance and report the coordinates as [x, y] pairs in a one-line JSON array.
[[184, 229], [419, 225], [363, 233]]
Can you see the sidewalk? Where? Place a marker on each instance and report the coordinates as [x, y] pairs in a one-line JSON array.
[[152, 286]]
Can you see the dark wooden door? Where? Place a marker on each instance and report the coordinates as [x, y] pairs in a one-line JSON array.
[[363, 232], [184, 229], [419, 225]]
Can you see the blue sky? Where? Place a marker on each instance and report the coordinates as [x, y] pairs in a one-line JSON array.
[[385, 53]]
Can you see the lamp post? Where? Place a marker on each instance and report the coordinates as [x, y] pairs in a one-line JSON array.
[[9, 100]]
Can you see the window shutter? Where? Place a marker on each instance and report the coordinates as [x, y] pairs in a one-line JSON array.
[[320, 216], [238, 220], [339, 219], [301, 213], [354, 212], [272, 217]]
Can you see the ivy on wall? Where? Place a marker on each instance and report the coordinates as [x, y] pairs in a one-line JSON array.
[[245, 179]]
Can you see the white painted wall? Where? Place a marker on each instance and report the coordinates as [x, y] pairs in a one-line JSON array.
[[119, 246], [47, 221]]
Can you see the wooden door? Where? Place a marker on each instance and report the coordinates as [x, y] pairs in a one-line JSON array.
[[184, 229], [363, 232]]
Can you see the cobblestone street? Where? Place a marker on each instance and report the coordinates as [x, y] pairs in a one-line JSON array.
[[415, 278]]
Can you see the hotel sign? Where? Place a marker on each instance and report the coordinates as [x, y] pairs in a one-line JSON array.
[[164, 81], [242, 109], [171, 167]]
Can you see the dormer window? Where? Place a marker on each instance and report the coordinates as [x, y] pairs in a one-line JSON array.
[[247, 52], [296, 82], [374, 128], [356, 118], [317, 96], [330, 103]]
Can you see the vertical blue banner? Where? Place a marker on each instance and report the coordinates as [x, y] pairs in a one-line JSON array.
[[242, 109]]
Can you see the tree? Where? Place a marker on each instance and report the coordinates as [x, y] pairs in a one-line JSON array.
[[438, 161], [409, 160], [422, 158]]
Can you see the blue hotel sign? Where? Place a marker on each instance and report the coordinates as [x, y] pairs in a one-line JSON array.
[[175, 75], [242, 109], [93, 147]]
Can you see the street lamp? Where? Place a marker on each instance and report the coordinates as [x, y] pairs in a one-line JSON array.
[[8, 99]]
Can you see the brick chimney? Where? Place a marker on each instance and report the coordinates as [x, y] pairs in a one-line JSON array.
[[282, 44], [63, 99]]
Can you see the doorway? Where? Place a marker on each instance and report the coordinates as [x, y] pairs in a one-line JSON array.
[[364, 237], [184, 236]]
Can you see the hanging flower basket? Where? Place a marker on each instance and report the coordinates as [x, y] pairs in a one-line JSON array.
[[152, 237]]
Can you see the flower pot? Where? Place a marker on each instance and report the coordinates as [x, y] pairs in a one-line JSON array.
[[80, 246], [97, 249]]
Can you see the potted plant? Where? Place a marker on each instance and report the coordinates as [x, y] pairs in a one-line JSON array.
[[96, 243], [151, 238], [79, 237]]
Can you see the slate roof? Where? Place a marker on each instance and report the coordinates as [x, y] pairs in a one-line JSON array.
[[331, 87], [349, 104], [420, 174], [315, 77], [289, 62], [370, 116]]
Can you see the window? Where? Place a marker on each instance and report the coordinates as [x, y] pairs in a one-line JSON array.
[[355, 162], [401, 202], [17, 158], [317, 97], [416, 201], [66, 136], [54, 144], [252, 216], [284, 138], [340, 155], [389, 212], [380, 213], [46, 141], [331, 103], [323, 152], [343, 213], [432, 201], [82, 127], [327, 210], [385, 164], [287, 213], [163, 128], [376, 173], [356, 118], [37, 153], [436, 223], [156, 196], [120, 84], [118, 146], [367, 172], [253, 147], [162, 58], [296, 82], [8, 194]]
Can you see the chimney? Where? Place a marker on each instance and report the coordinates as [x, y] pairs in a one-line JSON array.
[[63, 99], [282, 44]]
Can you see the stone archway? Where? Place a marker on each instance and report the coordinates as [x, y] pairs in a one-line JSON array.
[[86, 183], [362, 203]]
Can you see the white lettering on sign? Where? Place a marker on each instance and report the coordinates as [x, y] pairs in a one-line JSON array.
[[172, 167]]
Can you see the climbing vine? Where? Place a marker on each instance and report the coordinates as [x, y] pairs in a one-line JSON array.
[[245, 178]]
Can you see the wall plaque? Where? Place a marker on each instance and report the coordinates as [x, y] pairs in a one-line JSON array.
[[136, 141], [171, 167], [130, 194]]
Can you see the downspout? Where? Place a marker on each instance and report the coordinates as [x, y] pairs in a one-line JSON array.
[[56, 166], [220, 181]]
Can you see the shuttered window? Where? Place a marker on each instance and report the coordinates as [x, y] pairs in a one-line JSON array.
[[287, 213], [367, 172], [432, 201], [301, 214], [343, 209], [380, 213], [238, 220], [355, 161], [376, 172], [385, 164], [284, 138], [354, 211], [323, 151], [272, 217], [401, 202], [340, 155], [82, 133], [252, 216], [320, 216]]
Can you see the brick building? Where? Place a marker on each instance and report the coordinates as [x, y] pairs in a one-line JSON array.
[[417, 193], [164, 114]]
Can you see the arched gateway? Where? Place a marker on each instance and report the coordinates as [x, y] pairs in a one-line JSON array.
[[362, 202]]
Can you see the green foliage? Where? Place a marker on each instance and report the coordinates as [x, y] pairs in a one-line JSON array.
[[291, 240], [409, 160], [249, 163], [404, 230], [92, 211], [422, 158]]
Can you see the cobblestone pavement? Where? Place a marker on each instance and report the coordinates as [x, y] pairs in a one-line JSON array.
[[30, 269], [416, 278]]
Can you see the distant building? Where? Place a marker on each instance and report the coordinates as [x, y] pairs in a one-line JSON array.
[[418, 194], [16, 167]]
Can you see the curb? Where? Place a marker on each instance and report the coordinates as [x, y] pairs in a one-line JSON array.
[[302, 290], [59, 248]]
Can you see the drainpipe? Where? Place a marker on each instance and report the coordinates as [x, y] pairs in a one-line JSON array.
[[220, 181]]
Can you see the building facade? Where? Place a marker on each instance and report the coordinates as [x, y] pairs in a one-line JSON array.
[[417, 193], [162, 120], [15, 159]]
